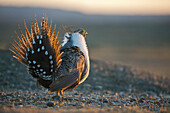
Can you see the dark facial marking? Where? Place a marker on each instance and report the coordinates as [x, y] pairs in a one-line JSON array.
[[82, 32]]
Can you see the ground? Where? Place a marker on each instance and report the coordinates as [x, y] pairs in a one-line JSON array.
[[109, 88]]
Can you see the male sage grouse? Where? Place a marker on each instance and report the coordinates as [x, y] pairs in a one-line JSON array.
[[57, 67]]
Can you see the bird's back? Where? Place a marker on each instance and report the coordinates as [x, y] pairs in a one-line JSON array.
[[72, 65]]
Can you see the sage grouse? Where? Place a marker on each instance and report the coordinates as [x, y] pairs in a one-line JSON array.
[[57, 67]]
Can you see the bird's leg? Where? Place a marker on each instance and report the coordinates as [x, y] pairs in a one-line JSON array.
[[57, 93], [61, 93], [57, 96]]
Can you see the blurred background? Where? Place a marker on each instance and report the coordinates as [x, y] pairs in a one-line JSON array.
[[129, 32]]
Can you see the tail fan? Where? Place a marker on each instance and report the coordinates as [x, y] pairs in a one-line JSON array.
[[39, 50]]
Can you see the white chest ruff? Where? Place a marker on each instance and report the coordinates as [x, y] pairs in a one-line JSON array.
[[65, 39], [79, 41]]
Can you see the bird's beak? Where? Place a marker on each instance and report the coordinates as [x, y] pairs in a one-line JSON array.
[[86, 33]]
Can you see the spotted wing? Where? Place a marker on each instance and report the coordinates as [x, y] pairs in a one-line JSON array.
[[40, 50], [70, 71]]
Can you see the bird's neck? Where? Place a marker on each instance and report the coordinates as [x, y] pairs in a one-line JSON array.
[[79, 41]]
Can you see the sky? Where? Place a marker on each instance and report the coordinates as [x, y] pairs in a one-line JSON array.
[[106, 7]]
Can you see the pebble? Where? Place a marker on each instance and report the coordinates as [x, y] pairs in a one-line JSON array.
[[116, 104], [133, 99], [141, 100], [51, 104], [151, 97], [83, 100], [98, 92], [20, 105], [99, 87], [120, 69], [108, 92], [105, 100]]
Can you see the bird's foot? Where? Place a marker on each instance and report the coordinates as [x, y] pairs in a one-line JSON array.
[[59, 96], [61, 93]]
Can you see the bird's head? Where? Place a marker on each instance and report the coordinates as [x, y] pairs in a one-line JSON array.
[[81, 31], [78, 36]]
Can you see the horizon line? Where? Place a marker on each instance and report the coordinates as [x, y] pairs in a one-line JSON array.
[[95, 14]]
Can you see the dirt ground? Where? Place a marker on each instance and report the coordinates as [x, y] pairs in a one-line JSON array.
[[109, 88]]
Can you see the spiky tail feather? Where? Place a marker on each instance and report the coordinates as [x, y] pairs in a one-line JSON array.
[[40, 51]]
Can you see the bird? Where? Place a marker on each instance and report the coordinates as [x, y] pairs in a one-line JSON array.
[[56, 66]]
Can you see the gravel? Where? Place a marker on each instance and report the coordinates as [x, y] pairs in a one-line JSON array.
[[109, 88]]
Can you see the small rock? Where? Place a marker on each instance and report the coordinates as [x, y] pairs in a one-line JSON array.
[[116, 94], [51, 104], [101, 68], [152, 98], [62, 104], [29, 106], [45, 106], [116, 103], [158, 103], [99, 87], [133, 99], [120, 69], [141, 100], [76, 99], [108, 92], [144, 95], [18, 100], [105, 100], [127, 104], [76, 93], [80, 105], [20, 105], [83, 100]]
